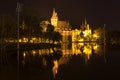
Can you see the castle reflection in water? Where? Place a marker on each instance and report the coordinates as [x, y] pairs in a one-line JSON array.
[[54, 57]]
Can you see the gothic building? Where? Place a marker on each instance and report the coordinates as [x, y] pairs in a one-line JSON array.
[[61, 26], [77, 35]]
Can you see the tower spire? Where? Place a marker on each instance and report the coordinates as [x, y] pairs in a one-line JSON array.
[[54, 10], [85, 21], [54, 15], [54, 18]]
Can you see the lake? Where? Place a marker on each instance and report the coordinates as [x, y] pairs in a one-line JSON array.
[[75, 61]]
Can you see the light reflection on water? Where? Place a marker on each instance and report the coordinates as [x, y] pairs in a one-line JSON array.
[[76, 60], [59, 56]]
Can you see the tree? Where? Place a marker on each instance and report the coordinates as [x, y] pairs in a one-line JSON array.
[[50, 28], [8, 26], [32, 20], [33, 28], [49, 32], [57, 37], [44, 25]]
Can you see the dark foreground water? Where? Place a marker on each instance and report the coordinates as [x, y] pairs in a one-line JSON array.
[[70, 62]]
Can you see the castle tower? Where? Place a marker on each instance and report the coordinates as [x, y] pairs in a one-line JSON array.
[[54, 19], [85, 22]]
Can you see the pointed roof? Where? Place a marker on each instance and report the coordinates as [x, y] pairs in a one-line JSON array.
[[54, 10], [85, 21], [54, 15]]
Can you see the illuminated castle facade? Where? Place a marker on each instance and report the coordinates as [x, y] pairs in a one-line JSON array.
[[84, 33], [77, 35], [61, 26]]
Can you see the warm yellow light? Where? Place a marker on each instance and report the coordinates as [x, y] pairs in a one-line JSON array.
[[33, 38], [81, 40], [33, 52], [85, 34], [75, 35], [55, 67], [40, 52], [95, 47], [95, 35], [54, 18], [20, 40], [47, 51], [44, 62], [51, 50], [25, 39], [10, 40], [76, 49], [88, 51], [54, 22], [81, 44], [24, 54]]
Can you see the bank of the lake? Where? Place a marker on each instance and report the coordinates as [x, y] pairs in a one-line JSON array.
[[29, 46]]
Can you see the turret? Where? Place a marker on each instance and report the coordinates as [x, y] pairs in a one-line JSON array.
[[54, 18]]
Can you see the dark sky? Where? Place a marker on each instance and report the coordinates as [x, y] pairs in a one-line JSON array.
[[97, 12]]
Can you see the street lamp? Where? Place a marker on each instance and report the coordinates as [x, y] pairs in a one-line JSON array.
[[18, 10]]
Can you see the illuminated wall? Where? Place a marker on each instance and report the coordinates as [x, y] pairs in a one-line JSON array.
[[75, 35], [65, 35]]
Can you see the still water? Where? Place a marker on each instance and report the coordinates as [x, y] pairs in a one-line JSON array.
[[76, 61]]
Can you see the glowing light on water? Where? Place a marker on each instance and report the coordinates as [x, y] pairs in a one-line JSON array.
[[55, 67], [24, 54]]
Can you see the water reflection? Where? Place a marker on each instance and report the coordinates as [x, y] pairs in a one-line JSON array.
[[86, 49], [54, 57], [55, 67]]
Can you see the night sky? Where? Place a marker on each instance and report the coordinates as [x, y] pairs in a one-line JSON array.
[[97, 12]]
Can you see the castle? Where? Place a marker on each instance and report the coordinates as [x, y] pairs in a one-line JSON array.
[[64, 28], [61, 26], [83, 34]]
